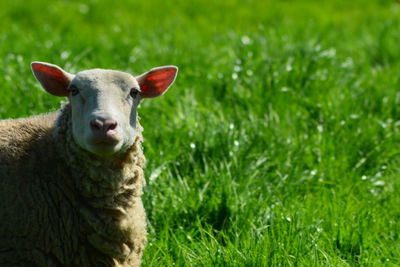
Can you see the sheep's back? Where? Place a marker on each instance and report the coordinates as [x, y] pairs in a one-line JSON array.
[[17, 136], [30, 195]]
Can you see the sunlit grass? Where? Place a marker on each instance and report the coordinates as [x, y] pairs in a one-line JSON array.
[[278, 143]]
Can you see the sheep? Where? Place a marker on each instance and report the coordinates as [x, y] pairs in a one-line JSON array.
[[71, 181]]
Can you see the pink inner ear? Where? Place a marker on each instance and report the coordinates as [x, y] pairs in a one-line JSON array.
[[52, 79], [157, 81], [162, 74]]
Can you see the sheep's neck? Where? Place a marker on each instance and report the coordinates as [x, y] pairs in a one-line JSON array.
[[107, 184]]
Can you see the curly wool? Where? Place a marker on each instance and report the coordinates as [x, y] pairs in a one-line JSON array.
[[111, 188], [87, 210]]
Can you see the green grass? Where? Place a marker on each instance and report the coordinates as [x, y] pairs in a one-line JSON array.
[[279, 142]]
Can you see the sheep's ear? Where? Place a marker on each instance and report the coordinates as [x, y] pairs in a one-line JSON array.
[[156, 82], [53, 79]]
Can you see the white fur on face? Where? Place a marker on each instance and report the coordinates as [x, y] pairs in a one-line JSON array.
[[104, 95]]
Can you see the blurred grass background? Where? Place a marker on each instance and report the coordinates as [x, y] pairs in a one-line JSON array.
[[277, 145]]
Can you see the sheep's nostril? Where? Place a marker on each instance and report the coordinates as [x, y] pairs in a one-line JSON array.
[[110, 125], [102, 127], [96, 125]]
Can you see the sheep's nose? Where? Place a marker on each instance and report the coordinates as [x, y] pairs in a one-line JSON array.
[[102, 126]]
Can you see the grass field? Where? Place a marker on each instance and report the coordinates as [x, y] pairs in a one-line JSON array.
[[279, 142]]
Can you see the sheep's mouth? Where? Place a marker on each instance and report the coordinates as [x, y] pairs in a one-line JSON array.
[[104, 146], [104, 142], [104, 139]]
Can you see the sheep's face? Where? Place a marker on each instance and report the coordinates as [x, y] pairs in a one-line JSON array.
[[104, 102]]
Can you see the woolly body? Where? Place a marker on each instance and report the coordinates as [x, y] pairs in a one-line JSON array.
[[64, 212]]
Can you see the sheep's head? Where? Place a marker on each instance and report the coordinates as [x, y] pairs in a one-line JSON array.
[[104, 102]]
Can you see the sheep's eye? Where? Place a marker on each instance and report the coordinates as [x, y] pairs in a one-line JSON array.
[[134, 92], [74, 91]]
